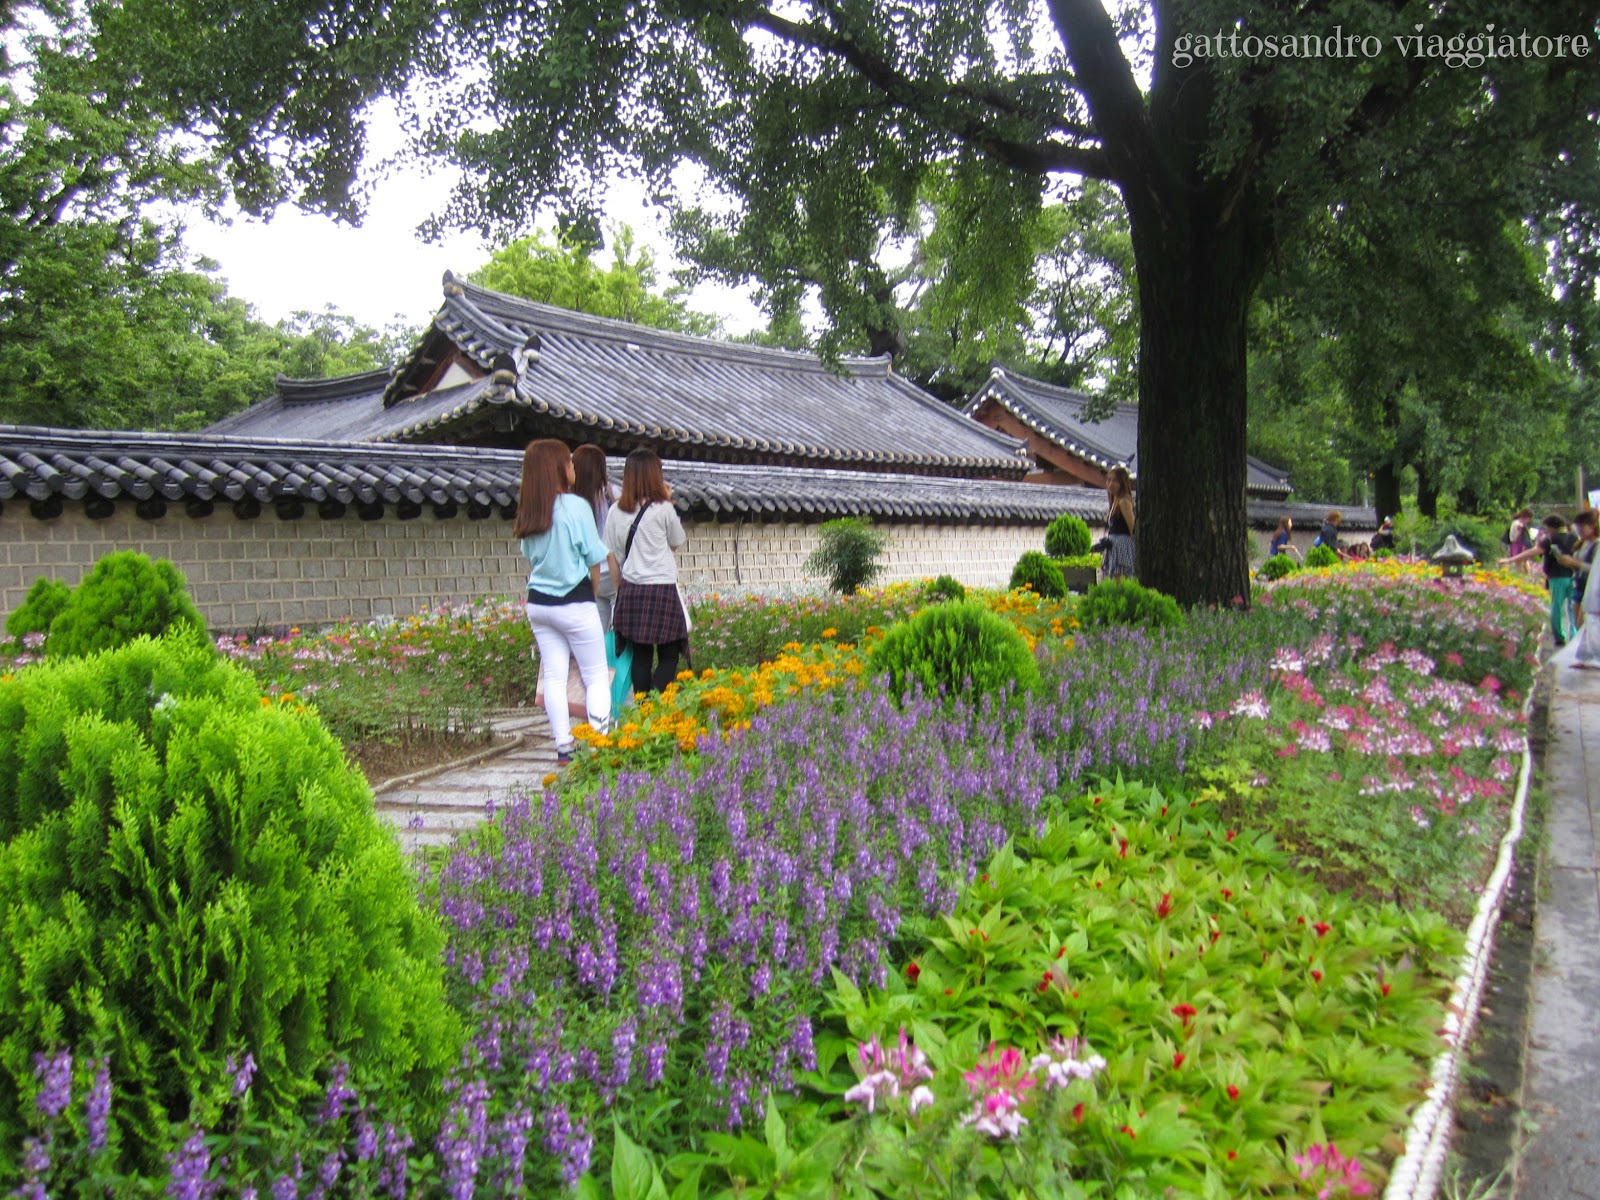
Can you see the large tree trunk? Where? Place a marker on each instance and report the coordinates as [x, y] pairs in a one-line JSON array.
[[1191, 529], [1386, 490]]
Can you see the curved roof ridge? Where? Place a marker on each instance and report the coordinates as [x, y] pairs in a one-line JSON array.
[[540, 317]]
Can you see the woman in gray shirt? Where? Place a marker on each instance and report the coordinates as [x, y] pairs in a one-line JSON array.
[[641, 534]]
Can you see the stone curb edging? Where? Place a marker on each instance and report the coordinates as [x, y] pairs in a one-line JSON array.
[[478, 756], [1415, 1175]]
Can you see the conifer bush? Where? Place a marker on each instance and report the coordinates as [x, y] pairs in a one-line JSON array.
[[45, 599], [1035, 570], [1321, 556], [959, 649], [946, 587], [125, 595], [1128, 602], [189, 873], [1066, 537], [1278, 566]]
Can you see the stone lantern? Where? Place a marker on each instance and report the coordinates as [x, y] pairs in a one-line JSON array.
[[1452, 557]]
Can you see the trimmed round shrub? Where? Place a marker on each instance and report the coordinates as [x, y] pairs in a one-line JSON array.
[[1035, 570], [189, 873], [847, 554], [946, 587], [957, 649], [126, 595], [1128, 602], [44, 602], [1321, 556], [1278, 566], [1067, 537]]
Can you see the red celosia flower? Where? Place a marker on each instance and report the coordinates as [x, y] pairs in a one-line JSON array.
[[1232, 833], [1165, 906], [1185, 1012], [1061, 953], [1077, 1112], [1299, 920], [1128, 1129], [1227, 893], [1322, 928], [1233, 1092], [1215, 934], [1386, 989], [1177, 1061], [1317, 975], [912, 972], [1232, 1154]]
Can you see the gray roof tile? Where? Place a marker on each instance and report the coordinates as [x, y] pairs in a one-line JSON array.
[[1058, 414], [688, 397]]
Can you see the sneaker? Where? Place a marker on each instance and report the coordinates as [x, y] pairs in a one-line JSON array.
[[564, 757]]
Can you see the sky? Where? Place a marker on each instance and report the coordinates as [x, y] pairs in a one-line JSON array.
[[382, 272]]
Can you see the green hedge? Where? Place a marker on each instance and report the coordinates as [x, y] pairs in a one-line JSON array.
[[959, 648], [189, 873]]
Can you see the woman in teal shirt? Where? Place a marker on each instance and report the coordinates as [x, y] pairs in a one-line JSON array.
[[564, 553]]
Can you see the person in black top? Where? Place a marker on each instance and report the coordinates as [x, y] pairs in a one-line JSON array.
[[1119, 561], [1384, 538], [1555, 548], [1328, 535]]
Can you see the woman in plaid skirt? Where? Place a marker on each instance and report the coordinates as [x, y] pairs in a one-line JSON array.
[[1119, 557], [641, 535]]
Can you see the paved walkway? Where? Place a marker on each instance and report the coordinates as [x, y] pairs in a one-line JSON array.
[[431, 810], [1561, 1086]]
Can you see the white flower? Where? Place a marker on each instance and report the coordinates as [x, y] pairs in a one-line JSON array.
[[921, 1097]]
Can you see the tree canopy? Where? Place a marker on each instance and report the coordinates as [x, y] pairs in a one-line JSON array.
[[104, 321], [813, 124], [565, 274]]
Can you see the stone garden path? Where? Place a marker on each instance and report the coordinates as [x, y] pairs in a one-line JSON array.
[[429, 810], [1561, 1084]]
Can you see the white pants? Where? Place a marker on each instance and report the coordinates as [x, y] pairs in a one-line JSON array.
[[564, 632]]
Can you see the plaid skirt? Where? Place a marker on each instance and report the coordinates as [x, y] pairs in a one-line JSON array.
[[650, 614], [1119, 559]]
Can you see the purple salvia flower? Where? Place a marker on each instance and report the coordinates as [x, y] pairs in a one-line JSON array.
[[54, 1073], [97, 1107]]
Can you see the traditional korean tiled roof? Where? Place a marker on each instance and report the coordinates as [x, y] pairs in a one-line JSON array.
[[50, 467], [584, 378], [1057, 413]]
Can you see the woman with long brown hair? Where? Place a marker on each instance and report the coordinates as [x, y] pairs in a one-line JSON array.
[[590, 483], [641, 535], [564, 553], [1119, 557]]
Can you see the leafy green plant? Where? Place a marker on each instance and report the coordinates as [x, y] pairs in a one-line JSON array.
[[956, 649], [1128, 602], [191, 872], [1278, 566], [1035, 571], [847, 554], [946, 587], [1078, 561], [1067, 537], [1319, 557], [1204, 992], [126, 595], [44, 602]]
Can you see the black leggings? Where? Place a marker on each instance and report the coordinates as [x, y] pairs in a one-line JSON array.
[[648, 679]]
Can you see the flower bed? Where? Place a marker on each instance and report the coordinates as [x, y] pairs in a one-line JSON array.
[[439, 670], [661, 948]]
